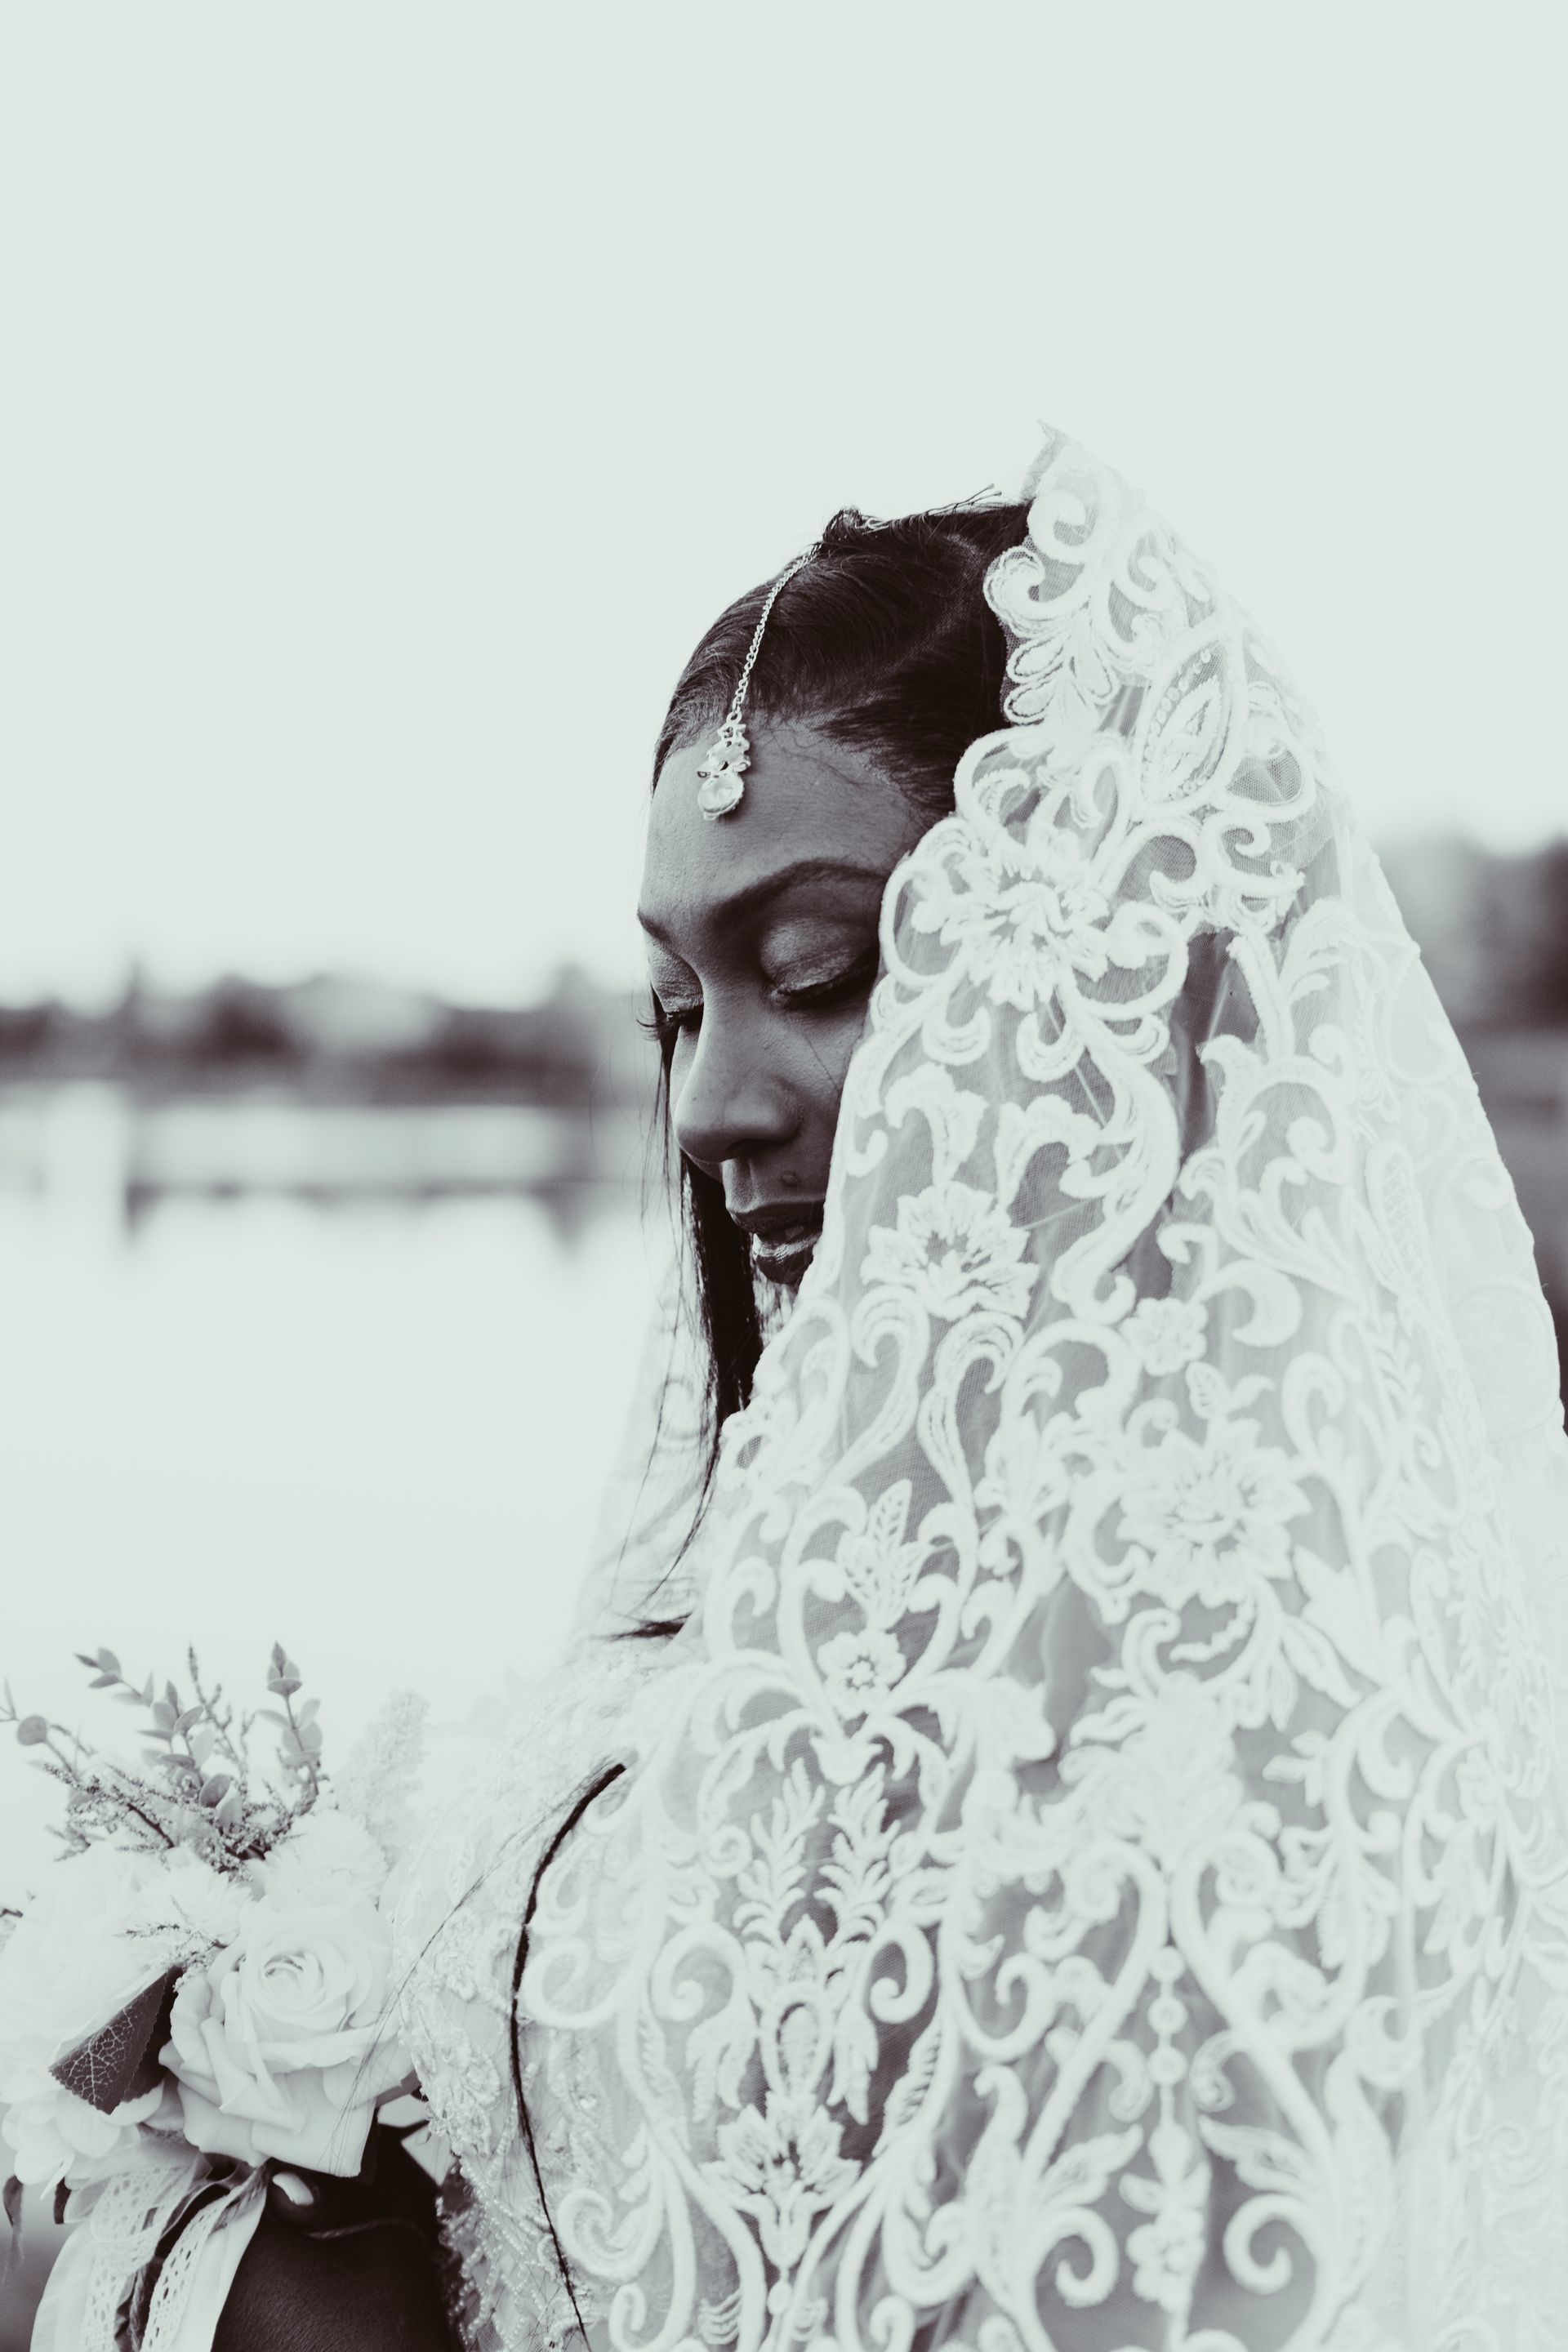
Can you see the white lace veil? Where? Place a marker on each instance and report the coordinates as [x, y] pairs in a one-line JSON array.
[[637, 1571], [1092, 1872]]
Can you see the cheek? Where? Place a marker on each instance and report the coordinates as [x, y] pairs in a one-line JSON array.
[[824, 1048], [812, 1059]]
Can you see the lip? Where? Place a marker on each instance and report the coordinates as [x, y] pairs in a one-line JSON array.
[[783, 1236]]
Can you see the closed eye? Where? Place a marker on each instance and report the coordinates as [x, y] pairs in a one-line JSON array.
[[853, 979], [668, 1022]]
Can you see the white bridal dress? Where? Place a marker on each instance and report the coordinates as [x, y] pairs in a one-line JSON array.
[[1090, 1873]]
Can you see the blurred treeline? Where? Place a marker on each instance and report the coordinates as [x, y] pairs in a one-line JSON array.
[[337, 1038], [1493, 929]]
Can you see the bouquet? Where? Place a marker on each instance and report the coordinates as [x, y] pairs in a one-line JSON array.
[[199, 1994]]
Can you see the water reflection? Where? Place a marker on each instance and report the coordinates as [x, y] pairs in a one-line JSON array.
[[95, 1141], [346, 1376]]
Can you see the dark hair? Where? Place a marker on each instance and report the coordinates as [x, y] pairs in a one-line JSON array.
[[884, 640]]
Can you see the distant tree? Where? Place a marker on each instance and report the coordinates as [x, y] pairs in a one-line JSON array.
[[1551, 889], [27, 1031], [241, 1022]]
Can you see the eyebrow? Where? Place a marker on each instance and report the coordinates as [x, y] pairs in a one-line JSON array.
[[758, 896]]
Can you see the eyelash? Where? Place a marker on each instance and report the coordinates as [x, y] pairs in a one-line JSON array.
[[668, 1027], [665, 1026]]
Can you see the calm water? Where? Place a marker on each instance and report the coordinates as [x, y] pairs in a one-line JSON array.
[[373, 1430]]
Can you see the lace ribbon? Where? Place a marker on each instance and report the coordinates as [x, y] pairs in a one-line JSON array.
[[122, 2226]]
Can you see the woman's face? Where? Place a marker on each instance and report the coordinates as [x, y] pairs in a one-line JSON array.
[[762, 943]]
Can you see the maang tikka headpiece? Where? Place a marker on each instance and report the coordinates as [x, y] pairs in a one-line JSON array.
[[721, 788]]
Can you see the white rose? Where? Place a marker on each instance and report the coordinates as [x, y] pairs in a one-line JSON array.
[[280, 2044], [86, 1944]]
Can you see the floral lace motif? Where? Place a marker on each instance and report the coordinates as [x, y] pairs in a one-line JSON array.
[[1092, 1874]]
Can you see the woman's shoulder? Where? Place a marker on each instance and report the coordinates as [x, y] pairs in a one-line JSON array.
[[496, 1784], [458, 1909]]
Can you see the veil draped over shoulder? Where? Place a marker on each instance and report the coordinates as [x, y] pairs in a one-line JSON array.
[[1091, 1873]]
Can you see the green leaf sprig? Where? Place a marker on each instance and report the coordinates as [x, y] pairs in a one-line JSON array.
[[200, 1784]]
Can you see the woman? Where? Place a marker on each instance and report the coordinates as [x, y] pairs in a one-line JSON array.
[[1070, 1852]]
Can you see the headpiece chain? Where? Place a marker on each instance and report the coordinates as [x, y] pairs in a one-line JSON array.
[[720, 789]]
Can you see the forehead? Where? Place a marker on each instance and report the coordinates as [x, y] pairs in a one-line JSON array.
[[805, 797]]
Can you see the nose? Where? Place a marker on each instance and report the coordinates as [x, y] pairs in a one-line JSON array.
[[729, 1105]]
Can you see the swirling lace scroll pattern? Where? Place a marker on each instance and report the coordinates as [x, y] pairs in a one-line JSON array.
[[1092, 1874]]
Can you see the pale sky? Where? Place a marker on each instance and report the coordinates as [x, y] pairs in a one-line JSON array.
[[390, 396]]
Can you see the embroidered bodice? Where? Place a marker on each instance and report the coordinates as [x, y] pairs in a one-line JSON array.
[[457, 1929]]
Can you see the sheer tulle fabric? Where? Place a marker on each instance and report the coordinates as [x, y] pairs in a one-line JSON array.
[[1092, 1872]]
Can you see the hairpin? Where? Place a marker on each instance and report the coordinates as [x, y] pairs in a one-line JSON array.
[[719, 789]]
